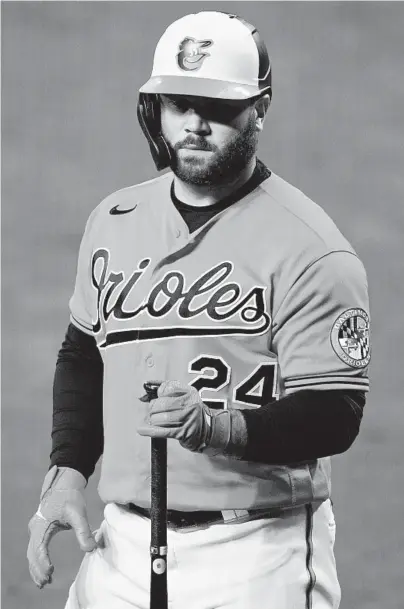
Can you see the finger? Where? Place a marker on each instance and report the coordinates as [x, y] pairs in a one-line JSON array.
[[79, 523], [166, 404], [39, 580], [99, 538], [37, 553], [38, 557], [156, 432], [41, 533], [39, 577], [160, 420], [172, 389], [171, 420]]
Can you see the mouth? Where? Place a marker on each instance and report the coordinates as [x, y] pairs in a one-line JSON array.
[[194, 147]]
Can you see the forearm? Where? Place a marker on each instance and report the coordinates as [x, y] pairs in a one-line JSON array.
[[77, 431], [300, 427]]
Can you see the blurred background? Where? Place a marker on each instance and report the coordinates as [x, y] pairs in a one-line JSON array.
[[70, 77]]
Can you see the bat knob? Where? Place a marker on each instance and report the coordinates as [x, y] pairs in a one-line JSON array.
[[151, 391], [159, 566]]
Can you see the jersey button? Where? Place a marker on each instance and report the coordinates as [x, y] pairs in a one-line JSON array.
[[178, 233], [150, 361]]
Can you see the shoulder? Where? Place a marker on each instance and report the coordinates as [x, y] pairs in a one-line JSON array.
[[295, 215], [148, 192]]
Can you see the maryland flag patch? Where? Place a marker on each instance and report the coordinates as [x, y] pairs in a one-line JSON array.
[[350, 338]]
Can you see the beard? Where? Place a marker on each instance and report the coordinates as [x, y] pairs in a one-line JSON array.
[[221, 166]]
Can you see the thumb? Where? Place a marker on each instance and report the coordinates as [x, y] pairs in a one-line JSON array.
[[78, 520]]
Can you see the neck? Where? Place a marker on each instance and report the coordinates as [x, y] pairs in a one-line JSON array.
[[203, 195]]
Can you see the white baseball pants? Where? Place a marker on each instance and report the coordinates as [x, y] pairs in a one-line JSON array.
[[279, 563]]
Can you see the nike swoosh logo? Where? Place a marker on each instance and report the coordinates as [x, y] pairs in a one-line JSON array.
[[114, 211]]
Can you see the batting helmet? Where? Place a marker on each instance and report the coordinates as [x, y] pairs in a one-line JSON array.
[[208, 54]]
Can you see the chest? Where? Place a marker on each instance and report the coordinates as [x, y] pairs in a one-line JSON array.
[[216, 281]]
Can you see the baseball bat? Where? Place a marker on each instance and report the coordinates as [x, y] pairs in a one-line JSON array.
[[158, 515]]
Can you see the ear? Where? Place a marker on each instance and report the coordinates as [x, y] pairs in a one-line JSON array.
[[261, 108]]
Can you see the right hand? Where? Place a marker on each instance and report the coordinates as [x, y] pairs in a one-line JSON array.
[[62, 506]]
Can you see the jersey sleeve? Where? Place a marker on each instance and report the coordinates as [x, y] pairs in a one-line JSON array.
[[83, 303], [321, 331]]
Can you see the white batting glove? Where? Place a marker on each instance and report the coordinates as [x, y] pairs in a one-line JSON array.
[[62, 506], [179, 413]]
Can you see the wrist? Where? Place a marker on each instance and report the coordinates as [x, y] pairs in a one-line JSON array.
[[63, 478], [228, 433]]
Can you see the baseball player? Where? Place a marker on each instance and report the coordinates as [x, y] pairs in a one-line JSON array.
[[238, 296]]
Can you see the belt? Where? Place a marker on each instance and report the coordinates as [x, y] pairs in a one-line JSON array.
[[180, 519]]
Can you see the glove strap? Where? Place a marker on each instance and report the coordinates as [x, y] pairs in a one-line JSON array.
[[228, 433]]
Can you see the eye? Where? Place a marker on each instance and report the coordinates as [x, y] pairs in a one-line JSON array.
[[177, 104], [223, 111], [181, 105]]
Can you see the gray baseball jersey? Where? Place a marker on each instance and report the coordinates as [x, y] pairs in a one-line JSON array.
[[265, 299]]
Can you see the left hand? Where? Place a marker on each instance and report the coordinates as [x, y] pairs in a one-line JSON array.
[[178, 413]]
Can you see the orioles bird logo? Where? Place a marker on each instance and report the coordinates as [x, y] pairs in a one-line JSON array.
[[191, 56]]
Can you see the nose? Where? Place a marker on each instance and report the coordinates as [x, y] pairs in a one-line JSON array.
[[195, 123]]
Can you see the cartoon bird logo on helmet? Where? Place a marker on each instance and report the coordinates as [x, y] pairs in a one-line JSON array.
[[191, 55]]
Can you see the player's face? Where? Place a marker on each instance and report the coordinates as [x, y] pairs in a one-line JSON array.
[[212, 140]]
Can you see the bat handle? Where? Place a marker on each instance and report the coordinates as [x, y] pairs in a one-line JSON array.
[[158, 517]]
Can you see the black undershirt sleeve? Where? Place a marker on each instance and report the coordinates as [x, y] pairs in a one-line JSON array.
[[77, 431], [303, 426]]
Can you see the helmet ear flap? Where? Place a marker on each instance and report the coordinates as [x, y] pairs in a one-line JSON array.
[[148, 114]]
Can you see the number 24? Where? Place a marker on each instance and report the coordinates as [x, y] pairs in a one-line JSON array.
[[257, 389]]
